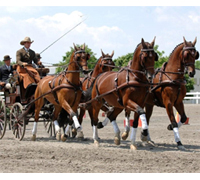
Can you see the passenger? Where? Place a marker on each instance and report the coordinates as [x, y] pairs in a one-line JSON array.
[[5, 71]]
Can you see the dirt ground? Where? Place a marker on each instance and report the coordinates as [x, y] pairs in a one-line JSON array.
[[74, 156]]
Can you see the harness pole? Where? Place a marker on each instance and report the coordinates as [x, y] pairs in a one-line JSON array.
[[63, 35]]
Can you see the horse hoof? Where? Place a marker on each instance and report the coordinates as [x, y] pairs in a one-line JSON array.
[[169, 127], [117, 141], [74, 133], [125, 135], [100, 125], [133, 147], [64, 137], [58, 136], [181, 147], [96, 143], [80, 135], [33, 137], [143, 138], [152, 143]]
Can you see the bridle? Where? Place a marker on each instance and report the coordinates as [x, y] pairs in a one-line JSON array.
[[107, 59], [190, 53], [142, 62], [77, 62]]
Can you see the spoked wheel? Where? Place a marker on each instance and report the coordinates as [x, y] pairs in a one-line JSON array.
[[49, 126], [3, 120], [17, 122]]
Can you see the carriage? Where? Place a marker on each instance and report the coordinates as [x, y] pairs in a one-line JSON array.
[[16, 109]]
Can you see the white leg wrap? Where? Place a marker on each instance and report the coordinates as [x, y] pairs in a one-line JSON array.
[[34, 131], [127, 124], [67, 129], [57, 127], [144, 121], [133, 135], [105, 122], [180, 124], [95, 133], [176, 134], [115, 127], [76, 123]]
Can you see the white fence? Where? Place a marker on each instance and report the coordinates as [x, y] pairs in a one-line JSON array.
[[193, 97]]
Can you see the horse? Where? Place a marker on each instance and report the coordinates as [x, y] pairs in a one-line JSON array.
[[170, 85], [103, 64], [169, 88], [127, 88], [63, 91]]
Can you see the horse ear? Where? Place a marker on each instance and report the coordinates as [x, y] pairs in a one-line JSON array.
[[102, 53], [112, 54], [83, 46], [194, 42], [153, 42], [184, 41], [75, 48], [143, 43]]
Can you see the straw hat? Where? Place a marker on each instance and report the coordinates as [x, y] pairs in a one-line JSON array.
[[26, 39], [6, 57]]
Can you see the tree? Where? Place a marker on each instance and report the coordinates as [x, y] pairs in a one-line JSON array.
[[161, 57], [65, 61], [1, 63], [197, 64], [123, 60]]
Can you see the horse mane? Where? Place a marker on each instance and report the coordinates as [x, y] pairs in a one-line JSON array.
[[136, 48], [174, 50]]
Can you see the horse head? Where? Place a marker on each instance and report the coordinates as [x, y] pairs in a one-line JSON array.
[[81, 57], [189, 54], [148, 57], [106, 62]]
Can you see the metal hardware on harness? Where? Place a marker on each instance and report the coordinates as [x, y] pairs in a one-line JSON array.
[[80, 51], [144, 50]]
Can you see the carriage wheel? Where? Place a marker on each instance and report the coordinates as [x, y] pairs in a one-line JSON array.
[[17, 123], [49, 125], [3, 120]]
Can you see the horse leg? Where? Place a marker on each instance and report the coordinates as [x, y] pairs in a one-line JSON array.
[[106, 120], [112, 118], [149, 111], [94, 112], [180, 109], [127, 125], [38, 105], [57, 110], [174, 125], [132, 106]]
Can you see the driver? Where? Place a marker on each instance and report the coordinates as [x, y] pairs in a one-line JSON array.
[[24, 58]]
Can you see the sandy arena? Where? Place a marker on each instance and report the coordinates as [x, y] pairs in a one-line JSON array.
[[74, 156]]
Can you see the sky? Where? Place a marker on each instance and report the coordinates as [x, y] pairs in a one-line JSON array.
[[107, 26]]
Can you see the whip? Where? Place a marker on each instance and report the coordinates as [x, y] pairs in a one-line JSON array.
[[63, 35]]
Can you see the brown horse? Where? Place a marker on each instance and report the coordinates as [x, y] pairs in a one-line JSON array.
[[68, 90], [169, 89], [104, 64], [127, 88]]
